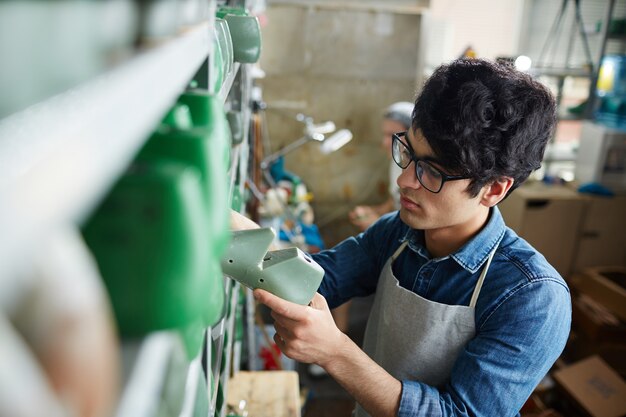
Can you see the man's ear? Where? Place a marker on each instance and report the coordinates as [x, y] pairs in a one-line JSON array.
[[495, 192]]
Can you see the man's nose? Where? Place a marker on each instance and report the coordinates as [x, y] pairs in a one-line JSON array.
[[408, 179]]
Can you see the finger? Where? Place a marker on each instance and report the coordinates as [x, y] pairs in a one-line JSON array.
[[319, 302], [282, 307], [285, 333], [284, 321], [240, 222], [280, 342]]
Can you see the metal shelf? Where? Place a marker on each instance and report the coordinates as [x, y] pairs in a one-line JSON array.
[[228, 82], [59, 157], [375, 7], [561, 72], [217, 334], [147, 361], [230, 330], [616, 37]]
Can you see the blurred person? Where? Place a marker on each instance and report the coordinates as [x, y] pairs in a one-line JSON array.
[[467, 316], [397, 118]]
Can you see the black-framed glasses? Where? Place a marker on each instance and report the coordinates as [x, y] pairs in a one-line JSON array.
[[431, 177]]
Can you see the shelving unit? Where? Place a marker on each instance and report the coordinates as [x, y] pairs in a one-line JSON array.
[[606, 37], [560, 74], [561, 157], [60, 157]]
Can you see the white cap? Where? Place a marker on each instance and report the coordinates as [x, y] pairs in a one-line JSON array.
[[402, 112]]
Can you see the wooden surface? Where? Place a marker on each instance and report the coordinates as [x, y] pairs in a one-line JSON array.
[[266, 393]]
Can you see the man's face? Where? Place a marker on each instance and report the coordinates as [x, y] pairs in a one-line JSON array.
[[421, 209], [389, 128]]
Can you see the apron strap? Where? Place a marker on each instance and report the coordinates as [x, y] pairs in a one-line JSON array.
[[399, 250], [481, 279]]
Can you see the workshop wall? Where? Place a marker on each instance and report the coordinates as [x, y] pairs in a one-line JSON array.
[[346, 64]]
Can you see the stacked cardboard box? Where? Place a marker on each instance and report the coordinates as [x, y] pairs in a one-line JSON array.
[[593, 388], [599, 304], [549, 218], [602, 235], [599, 315], [606, 285], [572, 230], [584, 238]]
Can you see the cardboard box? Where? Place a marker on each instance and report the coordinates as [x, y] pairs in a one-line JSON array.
[[602, 239], [549, 218], [606, 285], [594, 386], [596, 322], [580, 347]]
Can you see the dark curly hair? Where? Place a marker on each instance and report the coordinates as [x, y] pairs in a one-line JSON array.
[[485, 120]]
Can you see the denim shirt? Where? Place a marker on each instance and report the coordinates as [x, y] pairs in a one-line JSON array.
[[523, 313]]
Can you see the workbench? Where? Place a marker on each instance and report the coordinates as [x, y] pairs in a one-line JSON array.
[[266, 393]]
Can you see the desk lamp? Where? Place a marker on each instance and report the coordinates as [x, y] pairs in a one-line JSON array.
[[312, 132]]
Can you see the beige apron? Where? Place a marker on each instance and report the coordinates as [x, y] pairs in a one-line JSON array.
[[413, 338]]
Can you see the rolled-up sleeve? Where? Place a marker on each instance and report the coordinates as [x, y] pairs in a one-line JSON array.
[[419, 399]]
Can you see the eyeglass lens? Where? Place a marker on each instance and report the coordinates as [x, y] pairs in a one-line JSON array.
[[427, 175]]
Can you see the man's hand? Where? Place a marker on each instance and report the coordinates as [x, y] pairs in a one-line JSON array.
[[309, 334], [305, 333], [363, 216], [240, 222]]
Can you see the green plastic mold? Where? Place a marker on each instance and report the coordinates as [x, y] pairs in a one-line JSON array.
[[207, 111], [193, 337], [217, 67], [245, 32], [149, 240], [235, 122], [179, 117], [193, 147], [225, 10], [222, 33], [207, 148], [212, 290], [289, 273]]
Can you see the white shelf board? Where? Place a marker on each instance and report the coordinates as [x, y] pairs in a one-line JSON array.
[[59, 157], [141, 395], [400, 7], [561, 72], [216, 338], [228, 82], [230, 330]]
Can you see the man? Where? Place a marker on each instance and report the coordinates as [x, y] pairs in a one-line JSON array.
[[467, 316], [397, 118]]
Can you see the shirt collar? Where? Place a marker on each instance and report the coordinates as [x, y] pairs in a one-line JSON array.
[[474, 253]]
